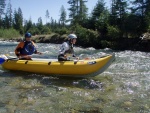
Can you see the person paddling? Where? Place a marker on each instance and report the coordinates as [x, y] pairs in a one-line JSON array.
[[66, 49], [26, 48]]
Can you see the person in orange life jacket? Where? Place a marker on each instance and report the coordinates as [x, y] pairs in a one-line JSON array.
[[26, 48], [66, 49]]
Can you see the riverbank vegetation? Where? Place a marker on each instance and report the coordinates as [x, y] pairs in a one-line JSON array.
[[9, 33], [118, 27]]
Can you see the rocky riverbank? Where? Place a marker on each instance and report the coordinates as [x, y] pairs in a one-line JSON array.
[[136, 44], [140, 44]]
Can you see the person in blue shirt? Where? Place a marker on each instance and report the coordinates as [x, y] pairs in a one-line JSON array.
[[26, 48]]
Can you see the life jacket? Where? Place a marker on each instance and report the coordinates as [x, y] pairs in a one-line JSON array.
[[28, 48], [70, 50]]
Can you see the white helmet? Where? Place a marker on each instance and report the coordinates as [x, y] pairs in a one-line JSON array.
[[72, 36]]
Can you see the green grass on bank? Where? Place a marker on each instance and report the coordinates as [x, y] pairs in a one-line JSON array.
[[9, 34]]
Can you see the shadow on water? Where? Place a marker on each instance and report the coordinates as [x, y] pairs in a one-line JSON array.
[[56, 81]]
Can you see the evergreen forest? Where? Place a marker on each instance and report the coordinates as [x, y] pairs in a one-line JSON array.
[[118, 27]]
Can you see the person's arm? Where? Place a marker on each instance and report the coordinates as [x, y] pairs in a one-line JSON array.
[[36, 52], [18, 48], [73, 54]]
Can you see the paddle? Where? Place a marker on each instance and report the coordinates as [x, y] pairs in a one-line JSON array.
[[2, 60]]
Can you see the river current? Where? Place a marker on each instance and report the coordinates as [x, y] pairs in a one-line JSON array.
[[123, 88]]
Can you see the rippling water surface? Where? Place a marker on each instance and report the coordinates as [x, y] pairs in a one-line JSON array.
[[123, 88]]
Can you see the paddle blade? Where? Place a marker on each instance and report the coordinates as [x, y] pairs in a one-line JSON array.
[[2, 60]]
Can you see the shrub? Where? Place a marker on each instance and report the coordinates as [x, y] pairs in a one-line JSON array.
[[9, 33], [149, 29], [113, 32], [86, 37], [61, 31], [105, 44], [46, 30]]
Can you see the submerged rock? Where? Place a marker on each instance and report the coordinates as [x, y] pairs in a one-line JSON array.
[[127, 104]]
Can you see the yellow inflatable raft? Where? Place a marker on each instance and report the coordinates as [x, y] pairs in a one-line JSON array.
[[80, 68]]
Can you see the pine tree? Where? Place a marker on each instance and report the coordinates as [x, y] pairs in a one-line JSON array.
[[83, 10], [28, 25], [63, 15], [47, 15], [2, 7], [98, 9], [97, 13], [141, 11], [119, 14], [147, 12], [18, 20], [52, 23], [118, 11], [139, 7], [78, 11], [8, 16], [40, 24]]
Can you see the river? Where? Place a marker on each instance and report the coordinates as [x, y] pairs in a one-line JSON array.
[[123, 88]]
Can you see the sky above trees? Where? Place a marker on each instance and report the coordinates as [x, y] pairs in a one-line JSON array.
[[37, 8]]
